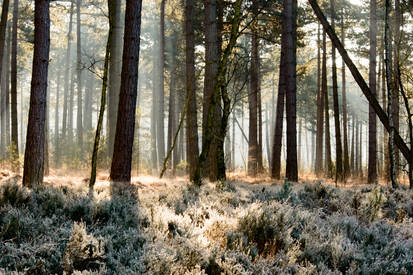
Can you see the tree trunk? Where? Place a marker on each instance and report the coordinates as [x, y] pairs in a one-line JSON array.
[[253, 109], [324, 88], [192, 118], [219, 89], [346, 166], [390, 99], [46, 166], [396, 59], [320, 111], [79, 122], [34, 154], [290, 11], [67, 76], [211, 68], [357, 150], [13, 91], [254, 100], [172, 117], [360, 156], [372, 147], [56, 123], [339, 150], [160, 130], [282, 89], [122, 153], [352, 164], [154, 153], [101, 109], [115, 66], [4, 114]]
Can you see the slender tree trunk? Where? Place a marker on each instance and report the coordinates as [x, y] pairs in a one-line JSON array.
[[339, 150], [5, 87], [282, 89], [253, 109], [192, 118], [386, 162], [46, 166], [172, 117], [396, 59], [320, 111], [4, 113], [13, 91], [115, 66], [357, 152], [67, 77], [255, 145], [290, 10], [154, 153], [122, 153], [160, 130], [346, 164], [324, 88], [267, 131], [233, 142], [352, 164], [33, 157], [390, 99], [360, 156], [372, 147], [56, 123], [101, 109], [79, 122]]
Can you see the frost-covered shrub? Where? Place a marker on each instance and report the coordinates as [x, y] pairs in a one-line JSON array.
[[14, 194], [83, 251]]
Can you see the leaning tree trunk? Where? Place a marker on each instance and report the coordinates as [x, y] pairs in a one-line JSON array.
[[34, 154], [101, 109], [372, 147], [191, 122], [13, 91], [122, 153]]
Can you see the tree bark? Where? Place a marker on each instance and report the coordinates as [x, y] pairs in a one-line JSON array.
[[34, 154], [339, 149], [390, 99], [13, 91], [324, 88], [282, 90], [172, 117], [101, 109], [192, 118], [160, 130], [320, 112], [122, 153], [56, 123], [4, 114], [346, 164], [67, 77], [115, 66], [79, 116], [372, 147], [211, 70], [290, 10]]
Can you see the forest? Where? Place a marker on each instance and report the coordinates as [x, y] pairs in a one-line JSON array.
[[206, 137]]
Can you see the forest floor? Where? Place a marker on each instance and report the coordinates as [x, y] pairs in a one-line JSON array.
[[241, 226]]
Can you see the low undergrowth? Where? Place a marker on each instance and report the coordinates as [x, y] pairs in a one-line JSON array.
[[230, 228]]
